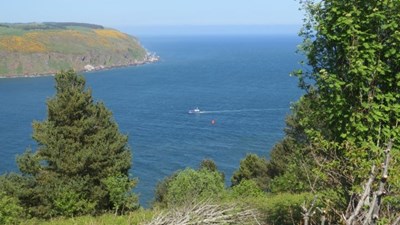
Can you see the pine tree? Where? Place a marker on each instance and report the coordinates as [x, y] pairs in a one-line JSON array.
[[79, 146]]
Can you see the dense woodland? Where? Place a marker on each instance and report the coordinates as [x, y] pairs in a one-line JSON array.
[[338, 162]]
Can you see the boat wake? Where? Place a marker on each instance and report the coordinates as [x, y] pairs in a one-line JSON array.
[[242, 110]]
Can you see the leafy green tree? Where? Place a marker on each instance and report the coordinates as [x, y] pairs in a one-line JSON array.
[[292, 166], [354, 69], [252, 167], [79, 145]]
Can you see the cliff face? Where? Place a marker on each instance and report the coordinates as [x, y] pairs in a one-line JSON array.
[[34, 49]]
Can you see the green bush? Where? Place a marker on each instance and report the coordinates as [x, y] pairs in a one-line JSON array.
[[190, 184], [69, 200], [135, 217], [160, 195], [10, 211], [281, 209], [247, 188], [119, 187], [207, 171]]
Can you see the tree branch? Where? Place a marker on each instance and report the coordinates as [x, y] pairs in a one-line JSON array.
[[361, 202], [381, 191], [308, 212], [397, 221]]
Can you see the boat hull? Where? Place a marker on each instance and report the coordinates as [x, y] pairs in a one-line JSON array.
[[194, 111]]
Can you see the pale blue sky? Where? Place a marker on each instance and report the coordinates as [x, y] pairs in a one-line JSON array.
[[135, 13]]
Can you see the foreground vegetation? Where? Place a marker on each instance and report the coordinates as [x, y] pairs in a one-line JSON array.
[[135, 217], [337, 163]]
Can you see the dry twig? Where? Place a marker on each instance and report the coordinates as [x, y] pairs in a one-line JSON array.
[[206, 213]]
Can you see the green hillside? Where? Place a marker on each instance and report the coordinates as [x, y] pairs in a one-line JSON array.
[[45, 48]]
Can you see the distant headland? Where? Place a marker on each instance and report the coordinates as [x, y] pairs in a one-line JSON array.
[[35, 49]]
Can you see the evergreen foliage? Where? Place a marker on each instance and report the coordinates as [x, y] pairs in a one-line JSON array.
[[252, 167], [208, 164], [79, 146]]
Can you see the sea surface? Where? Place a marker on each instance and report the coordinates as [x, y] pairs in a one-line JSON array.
[[241, 83]]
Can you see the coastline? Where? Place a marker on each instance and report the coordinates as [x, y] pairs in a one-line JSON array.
[[150, 58]]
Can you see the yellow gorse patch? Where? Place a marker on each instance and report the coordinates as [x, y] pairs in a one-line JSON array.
[[23, 43], [107, 33], [39, 42]]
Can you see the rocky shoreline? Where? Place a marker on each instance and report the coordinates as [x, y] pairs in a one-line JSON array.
[[150, 58]]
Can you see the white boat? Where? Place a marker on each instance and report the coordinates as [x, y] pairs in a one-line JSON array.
[[194, 111]]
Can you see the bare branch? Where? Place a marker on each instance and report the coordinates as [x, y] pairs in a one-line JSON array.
[[308, 212], [361, 202], [397, 221], [368, 216], [381, 191], [372, 215], [323, 215]]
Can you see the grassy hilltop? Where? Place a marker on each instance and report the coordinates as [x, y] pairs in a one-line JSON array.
[[45, 48]]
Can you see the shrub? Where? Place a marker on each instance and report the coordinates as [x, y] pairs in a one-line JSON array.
[[247, 188], [189, 185], [10, 210], [68, 199], [162, 189], [207, 179], [119, 187], [281, 209]]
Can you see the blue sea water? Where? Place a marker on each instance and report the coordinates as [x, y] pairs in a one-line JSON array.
[[242, 82]]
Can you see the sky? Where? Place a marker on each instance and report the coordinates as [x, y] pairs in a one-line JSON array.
[[145, 14]]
